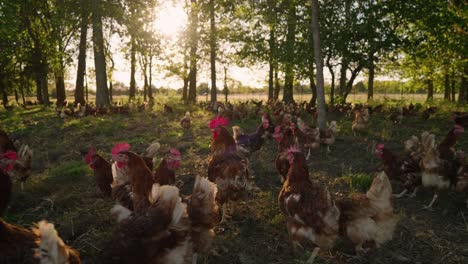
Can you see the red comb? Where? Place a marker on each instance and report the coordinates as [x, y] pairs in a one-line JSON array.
[[90, 155], [380, 146], [277, 129], [458, 127], [174, 151], [11, 155], [119, 147], [218, 121]]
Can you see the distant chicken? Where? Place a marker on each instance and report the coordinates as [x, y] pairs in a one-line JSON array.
[[102, 171], [167, 109], [368, 217], [248, 144], [227, 168], [140, 175], [397, 116], [406, 169], [311, 214], [327, 136], [170, 231], [307, 137], [186, 122], [361, 117]]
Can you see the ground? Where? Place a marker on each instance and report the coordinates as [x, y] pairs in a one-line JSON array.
[[62, 189]]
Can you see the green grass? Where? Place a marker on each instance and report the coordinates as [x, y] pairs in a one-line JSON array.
[[62, 189]]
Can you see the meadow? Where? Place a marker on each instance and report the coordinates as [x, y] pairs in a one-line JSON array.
[[62, 189]]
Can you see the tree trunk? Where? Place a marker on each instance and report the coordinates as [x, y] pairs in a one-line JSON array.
[[3, 90], [145, 77], [38, 88], [349, 85], [277, 82], [60, 88], [447, 87], [81, 68], [213, 51], [332, 87], [321, 114], [370, 88], [463, 86], [102, 94], [313, 87], [42, 72], [24, 82], [131, 93], [430, 90], [271, 61], [226, 91], [16, 96], [150, 77], [453, 88], [192, 92], [111, 91], [290, 50], [344, 62]]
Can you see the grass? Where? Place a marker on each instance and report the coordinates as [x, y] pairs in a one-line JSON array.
[[62, 189]]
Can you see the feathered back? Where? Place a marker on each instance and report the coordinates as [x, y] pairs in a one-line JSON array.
[[52, 249], [380, 187]]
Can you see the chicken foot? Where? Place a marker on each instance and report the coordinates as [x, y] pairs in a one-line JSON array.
[[434, 198], [413, 194], [313, 255]]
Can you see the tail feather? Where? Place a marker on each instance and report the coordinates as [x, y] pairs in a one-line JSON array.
[[169, 195], [152, 149], [120, 212], [52, 249]]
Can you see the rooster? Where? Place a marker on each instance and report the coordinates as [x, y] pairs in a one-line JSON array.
[[227, 168], [327, 136], [406, 170], [186, 122], [170, 231], [102, 171], [140, 175], [6, 164], [311, 214], [369, 217], [307, 137], [165, 174], [445, 147], [248, 144], [285, 140]]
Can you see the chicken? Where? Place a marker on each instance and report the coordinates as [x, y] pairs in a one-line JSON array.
[[150, 154], [438, 174], [311, 214], [461, 118], [22, 166], [227, 168], [369, 217], [121, 187], [445, 147], [169, 231], [165, 174], [285, 140], [462, 176], [168, 109], [81, 110], [406, 170], [327, 136], [6, 164], [5, 142], [40, 245], [248, 144], [102, 171], [397, 116], [186, 122], [361, 117], [307, 137], [140, 175]]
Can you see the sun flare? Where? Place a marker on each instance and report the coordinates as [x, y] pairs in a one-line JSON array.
[[171, 19]]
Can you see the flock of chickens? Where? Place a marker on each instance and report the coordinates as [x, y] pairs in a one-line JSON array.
[[159, 225]]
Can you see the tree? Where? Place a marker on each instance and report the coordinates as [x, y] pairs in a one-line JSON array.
[[192, 77], [102, 94], [213, 50], [321, 118], [81, 68], [290, 6]]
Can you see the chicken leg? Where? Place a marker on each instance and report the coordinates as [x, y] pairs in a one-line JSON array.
[[400, 194], [413, 194], [313, 255], [434, 198], [308, 155], [194, 258]]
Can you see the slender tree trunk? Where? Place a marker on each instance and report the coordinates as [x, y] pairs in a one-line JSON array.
[[38, 88], [150, 77], [271, 61], [81, 68], [132, 90], [213, 51], [349, 85], [277, 82], [370, 88], [453, 88], [16, 96], [60, 88], [463, 86], [185, 90], [43, 69], [430, 90], [290, 51], [321, 114], [226, 90], [192, 92], [313, 87], [332, 87], [3, 89], [111, 91], [344, 62], [102, 94], [447, 87], [24, 82], [145, 77]]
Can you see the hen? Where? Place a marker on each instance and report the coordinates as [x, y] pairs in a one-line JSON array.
[[227, 168], [169, 231], [369, 217], [307, 137], [165, 174], [285, 140], [311, 214], [6, 164], [22, 166], [186, 122], [102, 171], [139, 174], [167, 109], [361, 117], [445, 148], [248, 144], [327, 136]]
